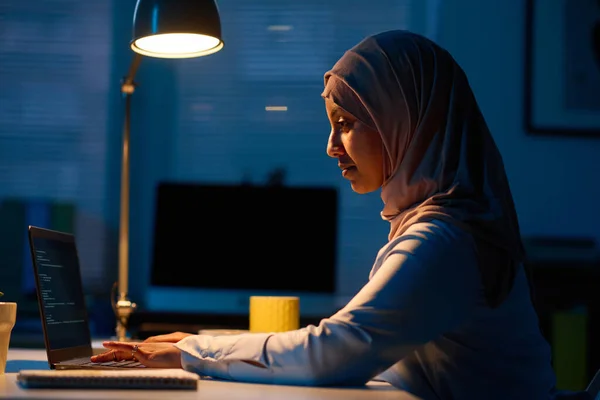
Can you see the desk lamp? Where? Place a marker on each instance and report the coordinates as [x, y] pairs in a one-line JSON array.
[[163, 29]]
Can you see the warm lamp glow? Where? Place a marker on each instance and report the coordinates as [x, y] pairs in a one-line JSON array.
[[177, 45]]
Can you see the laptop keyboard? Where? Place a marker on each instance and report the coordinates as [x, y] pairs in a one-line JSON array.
[[85, 362]]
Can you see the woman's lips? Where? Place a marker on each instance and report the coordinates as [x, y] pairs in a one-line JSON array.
[[347, 171]]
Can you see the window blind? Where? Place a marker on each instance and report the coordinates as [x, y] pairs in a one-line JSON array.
[[54, 71]]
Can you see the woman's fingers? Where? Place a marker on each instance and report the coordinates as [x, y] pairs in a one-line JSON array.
[[120, 346], [111, 355], [118, 351], [127, 350], [103, 357], [167, 338], [157, 339]]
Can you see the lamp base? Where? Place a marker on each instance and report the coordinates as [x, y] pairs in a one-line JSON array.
[[122, 308]]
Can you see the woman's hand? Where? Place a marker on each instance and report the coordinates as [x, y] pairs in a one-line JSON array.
[[154, 355], [168, 338]]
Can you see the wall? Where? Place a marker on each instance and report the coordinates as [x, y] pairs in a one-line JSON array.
[[555, 180]]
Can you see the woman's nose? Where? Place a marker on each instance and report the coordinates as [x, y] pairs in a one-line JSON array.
[[334, 146]]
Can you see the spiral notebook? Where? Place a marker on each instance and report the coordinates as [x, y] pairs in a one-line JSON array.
[[169, 379]]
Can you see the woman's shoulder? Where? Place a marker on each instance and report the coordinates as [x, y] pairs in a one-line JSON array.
[[432, 244], [435, 251], [434, 233], [433, 241], [438, 227]]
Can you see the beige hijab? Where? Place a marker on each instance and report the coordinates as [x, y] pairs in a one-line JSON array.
[[440, 161]]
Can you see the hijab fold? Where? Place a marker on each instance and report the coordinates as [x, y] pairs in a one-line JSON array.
[[440, 160]]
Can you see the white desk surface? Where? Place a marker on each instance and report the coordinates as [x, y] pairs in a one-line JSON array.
[[207, 389]]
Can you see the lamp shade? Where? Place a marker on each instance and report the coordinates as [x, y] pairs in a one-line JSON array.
[[176, 28]]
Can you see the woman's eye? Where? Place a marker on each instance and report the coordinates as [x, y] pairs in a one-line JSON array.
[[344, 124]]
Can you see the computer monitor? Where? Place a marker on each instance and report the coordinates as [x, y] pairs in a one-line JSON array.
[[215, 245]]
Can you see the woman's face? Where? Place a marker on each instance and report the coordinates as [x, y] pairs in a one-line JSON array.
[[357, 147]]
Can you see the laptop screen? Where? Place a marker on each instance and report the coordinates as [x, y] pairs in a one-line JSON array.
[[60, 290]]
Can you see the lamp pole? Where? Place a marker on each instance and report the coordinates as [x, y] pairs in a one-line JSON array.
[[123, 307], [163, 29]]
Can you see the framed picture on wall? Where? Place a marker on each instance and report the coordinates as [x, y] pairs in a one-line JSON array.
[[562, 67]]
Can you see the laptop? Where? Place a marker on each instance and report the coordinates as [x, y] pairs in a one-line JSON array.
[[62, 304]]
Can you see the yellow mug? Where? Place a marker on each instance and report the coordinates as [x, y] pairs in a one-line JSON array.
[[274, 313]]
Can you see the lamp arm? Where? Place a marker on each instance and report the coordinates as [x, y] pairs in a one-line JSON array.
[[128, 84], [123, 307]]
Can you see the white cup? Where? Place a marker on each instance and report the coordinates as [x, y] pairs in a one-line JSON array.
[[8, 317]]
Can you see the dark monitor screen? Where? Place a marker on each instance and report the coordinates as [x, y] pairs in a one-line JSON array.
[[259, 238]]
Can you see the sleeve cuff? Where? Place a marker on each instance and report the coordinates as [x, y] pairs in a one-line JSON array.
[[211, 355]]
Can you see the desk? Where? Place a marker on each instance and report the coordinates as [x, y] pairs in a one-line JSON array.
[[207, 389]]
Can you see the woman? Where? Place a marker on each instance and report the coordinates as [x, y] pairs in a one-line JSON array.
[[446, 313]]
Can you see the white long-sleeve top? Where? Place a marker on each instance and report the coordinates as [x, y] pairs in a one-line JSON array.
[[420, 323]]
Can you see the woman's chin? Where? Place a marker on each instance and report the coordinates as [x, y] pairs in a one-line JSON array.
[[360, 189]]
